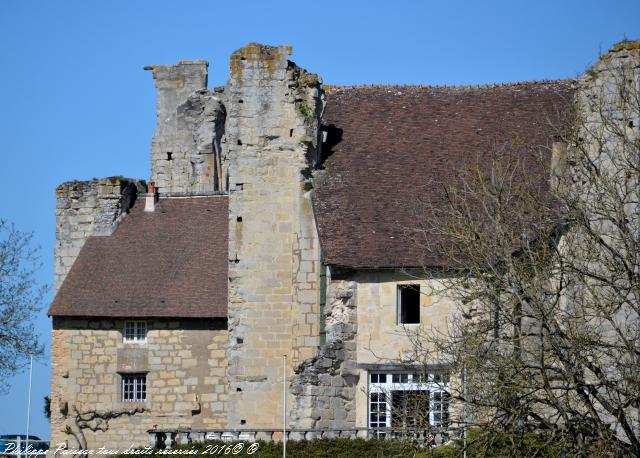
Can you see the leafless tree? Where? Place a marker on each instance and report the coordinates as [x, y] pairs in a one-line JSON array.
[[543, 257], [94, 421], [20, 298]]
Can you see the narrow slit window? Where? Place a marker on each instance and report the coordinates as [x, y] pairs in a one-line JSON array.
[[409, 304]]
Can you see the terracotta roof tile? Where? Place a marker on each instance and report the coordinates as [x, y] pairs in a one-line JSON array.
[[167, 263], [385, 143]]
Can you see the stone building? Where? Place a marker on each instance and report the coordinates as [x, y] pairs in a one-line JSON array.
[[275, 223]]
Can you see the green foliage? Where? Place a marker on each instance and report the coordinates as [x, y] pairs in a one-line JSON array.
[[305, 110], [319, 448], [498, 445], [479, 445]]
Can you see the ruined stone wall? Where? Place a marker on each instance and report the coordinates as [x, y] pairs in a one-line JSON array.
[[186, 150], [362, 328], [185, 361], [324, 386], [273, 110], [85, 208]]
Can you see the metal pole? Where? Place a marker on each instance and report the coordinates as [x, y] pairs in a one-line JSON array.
[[284, 406], [29, 400], [464, 428]]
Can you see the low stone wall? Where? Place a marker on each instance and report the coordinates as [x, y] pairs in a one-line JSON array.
[[185, 362]]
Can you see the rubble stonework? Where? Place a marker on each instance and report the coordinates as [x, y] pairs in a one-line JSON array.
[[273, 114], [186, 151], [85, 208], [324, 387], [186, 365]]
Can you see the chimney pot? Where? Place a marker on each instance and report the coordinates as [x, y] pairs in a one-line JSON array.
[[150, 198]]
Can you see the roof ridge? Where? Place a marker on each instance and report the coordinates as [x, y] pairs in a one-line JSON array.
[[331, 87]]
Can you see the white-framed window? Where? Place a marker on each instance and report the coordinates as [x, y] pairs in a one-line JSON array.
[[134, 387], [402, 399], [134, 331], [408, 304]]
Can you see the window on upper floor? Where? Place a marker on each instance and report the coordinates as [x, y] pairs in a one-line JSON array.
[[134, 332], [408, 304]]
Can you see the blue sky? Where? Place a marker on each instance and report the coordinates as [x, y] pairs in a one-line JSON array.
[[76, 104]]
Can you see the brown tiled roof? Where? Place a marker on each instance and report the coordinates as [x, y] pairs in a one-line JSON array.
[[386, 143], [167, 263]]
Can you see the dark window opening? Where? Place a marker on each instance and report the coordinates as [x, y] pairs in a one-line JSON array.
[[239, 142], [239, 390], [290, 132], [243, 422], [239, 219], [240, 101], [239, 340], [169, 156], [409, 304]]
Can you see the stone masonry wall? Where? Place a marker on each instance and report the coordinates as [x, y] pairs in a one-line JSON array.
[[186, 151], [85, 208], [185, 361], [324, 386], [273, 111]]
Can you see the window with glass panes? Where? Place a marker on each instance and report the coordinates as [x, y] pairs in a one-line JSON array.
[[135, 331], [134, 387], [408, 399]]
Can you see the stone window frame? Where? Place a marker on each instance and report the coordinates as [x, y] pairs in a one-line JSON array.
[[135, 332], [400, 316], [134, 383], [436, 383]]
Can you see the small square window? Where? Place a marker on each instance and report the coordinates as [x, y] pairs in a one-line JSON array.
[[378, 378], [134, 387], [135, 331], [409, 304]]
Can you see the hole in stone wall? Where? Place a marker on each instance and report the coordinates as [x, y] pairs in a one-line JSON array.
[[239, 340], [239, 142], [239, 390], [239, 219], [290, 132], [243, 422], [240, 101], [631, 124], [169, 156]]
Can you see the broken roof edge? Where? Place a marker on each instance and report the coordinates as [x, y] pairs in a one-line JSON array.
[[549, 82]]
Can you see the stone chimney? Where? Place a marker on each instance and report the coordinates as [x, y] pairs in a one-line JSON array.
[[150, 198], [186, 156]]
